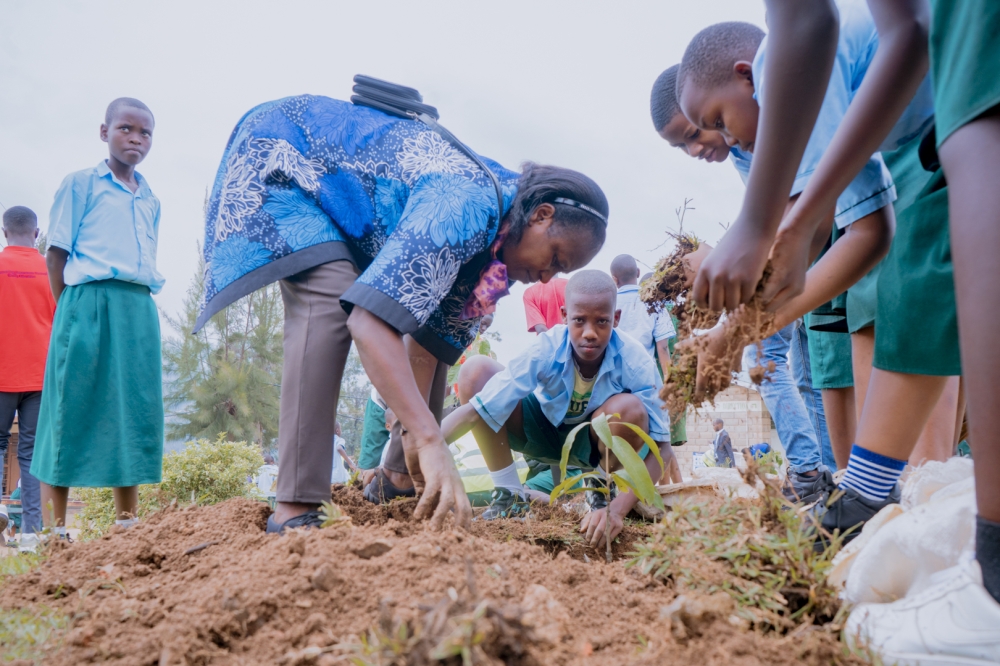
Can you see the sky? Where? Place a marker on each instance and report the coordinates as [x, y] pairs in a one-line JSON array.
[[553, 81]]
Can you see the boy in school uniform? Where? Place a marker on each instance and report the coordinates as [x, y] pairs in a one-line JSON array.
[[101, 417], [572, 374], [798, 410]]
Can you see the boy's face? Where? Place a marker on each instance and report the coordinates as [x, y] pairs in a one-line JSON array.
[[129, 136], [704, 144], [729, 108], [590, 319]]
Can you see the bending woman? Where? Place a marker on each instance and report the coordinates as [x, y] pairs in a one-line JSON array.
[[378, 229]]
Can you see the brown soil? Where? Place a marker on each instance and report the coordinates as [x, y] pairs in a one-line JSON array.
[[207, 586]]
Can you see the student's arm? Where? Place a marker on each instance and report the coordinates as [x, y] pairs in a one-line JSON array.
[[598, 523], [403, 377], [55, 262], [864, 244], [896, 72], [802, 43]]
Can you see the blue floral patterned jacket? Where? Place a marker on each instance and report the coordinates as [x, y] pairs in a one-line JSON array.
[[308, 180]]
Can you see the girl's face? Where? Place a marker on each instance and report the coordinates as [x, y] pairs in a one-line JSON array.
[[545, 250]]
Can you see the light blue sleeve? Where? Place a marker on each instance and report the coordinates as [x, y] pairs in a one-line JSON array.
[[505, 390], [67, 212], [642, 379], [742, 163]]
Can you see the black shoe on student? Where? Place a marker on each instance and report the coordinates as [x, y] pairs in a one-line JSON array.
[[505, 504], [803, 489], [309, 520], [597, 500], [849, 510]]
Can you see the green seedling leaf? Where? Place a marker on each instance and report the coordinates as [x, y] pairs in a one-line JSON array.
[[648, 440], [642, 484], [623, 481], [567, 447], [565, 486]]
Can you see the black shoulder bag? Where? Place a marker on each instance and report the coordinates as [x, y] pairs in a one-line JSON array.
[[404, 102]]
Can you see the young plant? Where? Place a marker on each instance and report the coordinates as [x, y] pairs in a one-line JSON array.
[[333, 516], [634, 476]]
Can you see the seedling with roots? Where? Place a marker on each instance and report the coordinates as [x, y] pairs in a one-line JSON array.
[[634, 476]]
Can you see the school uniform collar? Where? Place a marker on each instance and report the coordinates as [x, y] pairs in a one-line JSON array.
[[564, 352], [624, 289], [104, 171]]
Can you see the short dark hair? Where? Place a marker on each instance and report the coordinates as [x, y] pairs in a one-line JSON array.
[[122, 102], [20, 220], [592, 283], [540, 183], [663, 104], [624, 267], [709, 58]]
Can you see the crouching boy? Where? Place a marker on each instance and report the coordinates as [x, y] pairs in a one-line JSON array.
[[572, 374]]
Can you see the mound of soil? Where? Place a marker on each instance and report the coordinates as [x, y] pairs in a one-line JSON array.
[[206, 585]]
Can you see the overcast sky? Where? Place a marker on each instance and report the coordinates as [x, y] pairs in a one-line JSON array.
[[564, 82]]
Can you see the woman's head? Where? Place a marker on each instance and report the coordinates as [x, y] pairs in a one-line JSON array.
[[556, 223]]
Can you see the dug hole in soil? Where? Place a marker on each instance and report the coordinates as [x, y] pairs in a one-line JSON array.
[[206, 585]]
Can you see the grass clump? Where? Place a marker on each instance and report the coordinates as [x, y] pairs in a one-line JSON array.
[[204, 472], [29, 634], [762, 554]]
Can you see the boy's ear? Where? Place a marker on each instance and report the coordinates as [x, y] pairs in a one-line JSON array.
[[562, 309], [618, 316], [104, 133], [743, 70]]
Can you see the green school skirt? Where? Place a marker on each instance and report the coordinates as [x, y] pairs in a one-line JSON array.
[[965, 53], [916, 328], [101, 419], [374, 436], [829, 357]]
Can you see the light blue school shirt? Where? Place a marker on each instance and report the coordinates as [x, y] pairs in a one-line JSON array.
[[872, 188], [109, 232], [547, 370], [636, 321]]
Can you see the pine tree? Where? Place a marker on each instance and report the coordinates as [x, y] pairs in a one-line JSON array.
[[227, 377]]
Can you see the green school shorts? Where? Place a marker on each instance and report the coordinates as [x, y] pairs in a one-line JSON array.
[[829, 357], [544, 441], [965, 53], [374, 436], [916, 327]]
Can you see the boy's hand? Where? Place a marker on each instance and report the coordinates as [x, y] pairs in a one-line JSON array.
[[715, 352], [728, 276], [789, 263], [597, 525], [438, 483]]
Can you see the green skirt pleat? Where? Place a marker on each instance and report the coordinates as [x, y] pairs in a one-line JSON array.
[[101, 417], [829, 357]]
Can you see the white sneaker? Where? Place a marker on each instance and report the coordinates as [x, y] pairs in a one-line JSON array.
[[4, 518], [955, 621]]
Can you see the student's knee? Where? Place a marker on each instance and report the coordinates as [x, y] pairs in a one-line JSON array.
[[629, 408], [475, 372]]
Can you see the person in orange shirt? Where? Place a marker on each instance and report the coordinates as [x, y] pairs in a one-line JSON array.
[[28, 307], [543, 303]]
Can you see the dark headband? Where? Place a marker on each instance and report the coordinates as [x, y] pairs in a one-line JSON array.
[[581, 206]]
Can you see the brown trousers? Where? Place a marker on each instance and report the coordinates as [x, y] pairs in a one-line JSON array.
[[317, 343]]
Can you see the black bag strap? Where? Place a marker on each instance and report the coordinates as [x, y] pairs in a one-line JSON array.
[[405, 102]]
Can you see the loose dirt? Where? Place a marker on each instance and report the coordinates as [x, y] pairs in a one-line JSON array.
[[207, 586]]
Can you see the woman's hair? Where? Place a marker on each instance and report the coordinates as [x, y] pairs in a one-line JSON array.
[[540, 183]]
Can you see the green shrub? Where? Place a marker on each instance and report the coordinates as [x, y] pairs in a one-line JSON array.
[[204, 472]]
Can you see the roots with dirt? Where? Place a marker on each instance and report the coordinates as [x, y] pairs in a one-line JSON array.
[[721, 583]]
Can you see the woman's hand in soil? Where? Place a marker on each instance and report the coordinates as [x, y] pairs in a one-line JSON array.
[[436, 479], [597, 525]]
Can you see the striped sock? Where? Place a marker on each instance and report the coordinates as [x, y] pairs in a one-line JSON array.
[[872, 475]]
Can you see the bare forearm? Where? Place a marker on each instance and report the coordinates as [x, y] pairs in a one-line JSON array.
[[802, 43], [847, 261], [896, 73], [55, 262], [390, 367], [663, 356]]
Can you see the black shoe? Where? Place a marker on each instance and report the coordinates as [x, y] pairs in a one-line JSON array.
[[505, 504], [806, 489], [308, 520], [597, 500], [381, 490], [849, 510]]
